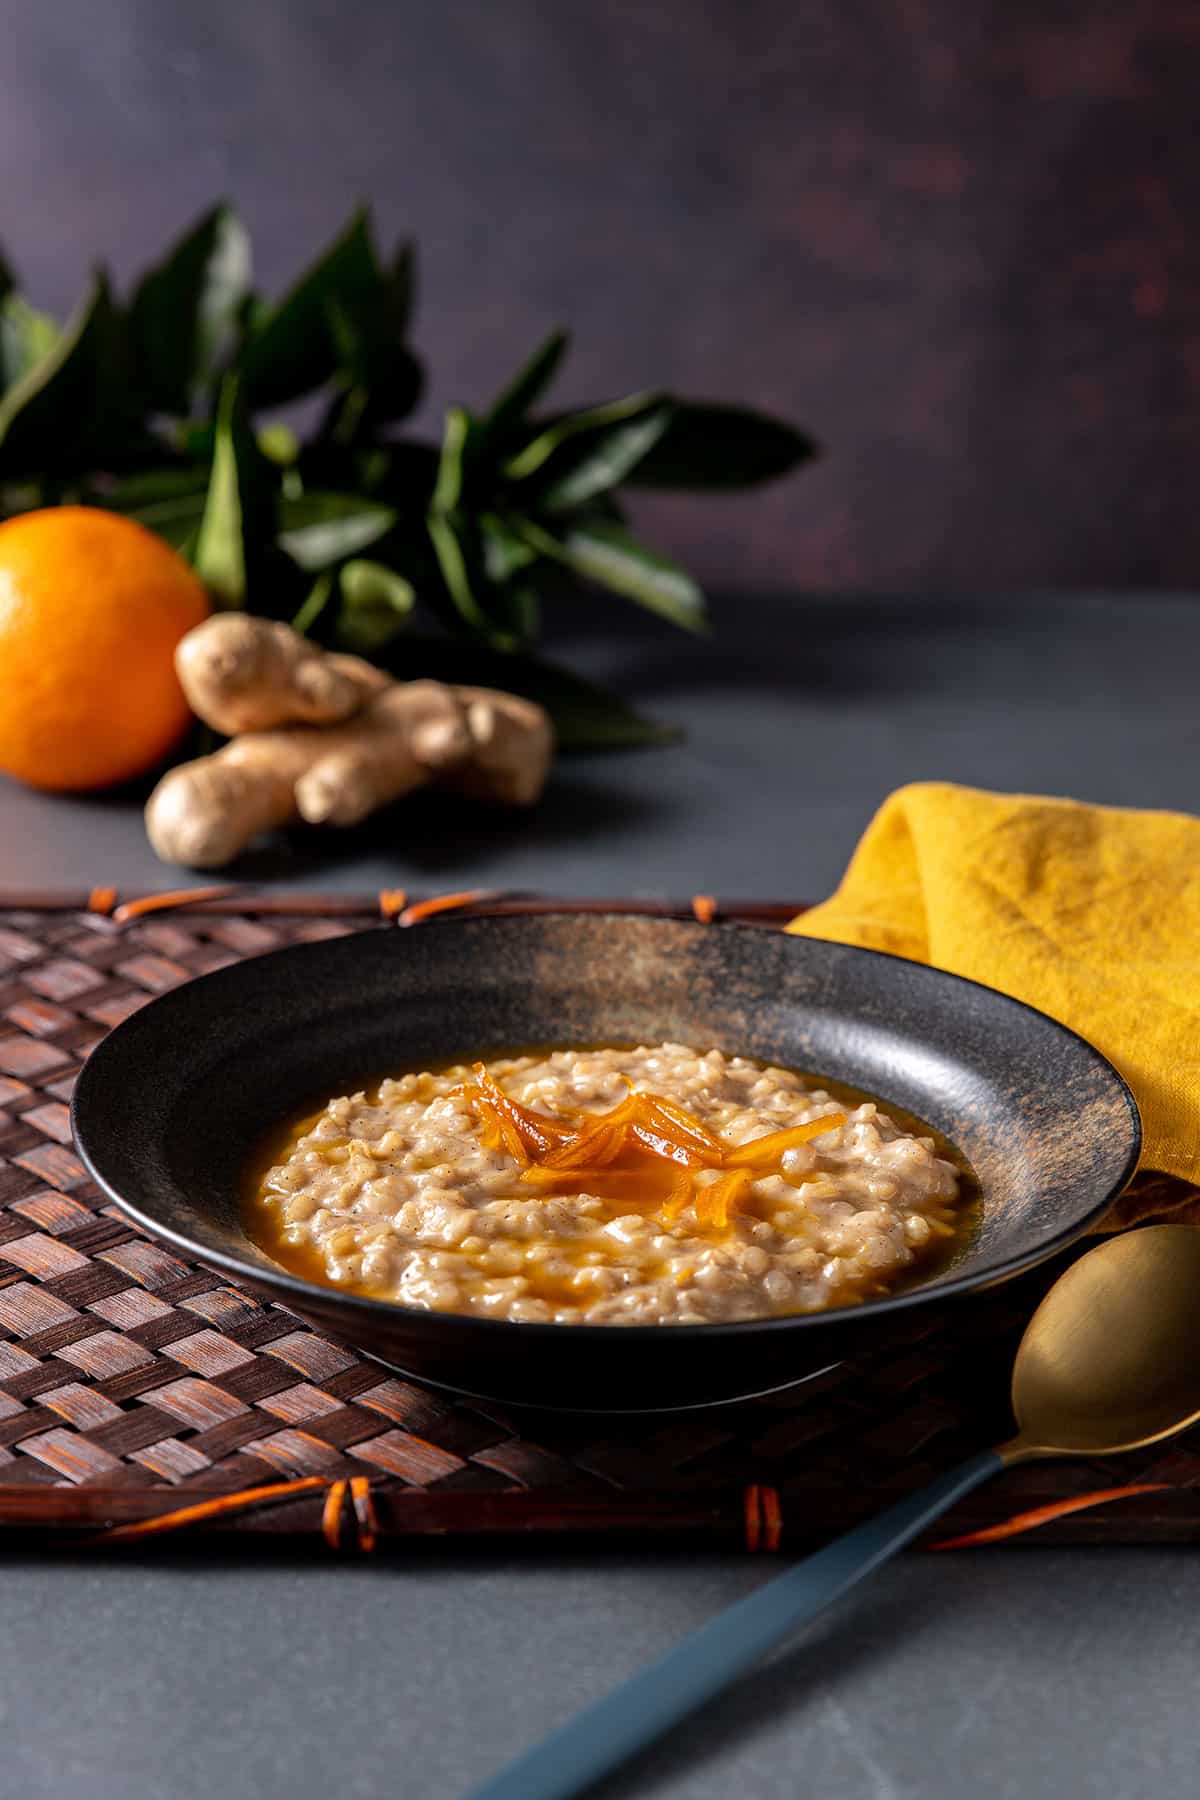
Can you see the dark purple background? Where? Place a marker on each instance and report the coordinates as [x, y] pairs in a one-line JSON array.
[[957, 240]]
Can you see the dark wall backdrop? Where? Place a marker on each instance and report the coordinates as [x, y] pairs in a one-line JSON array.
[[960, 241]]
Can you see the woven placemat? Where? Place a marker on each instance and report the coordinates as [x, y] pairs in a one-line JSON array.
[[140, 1393]]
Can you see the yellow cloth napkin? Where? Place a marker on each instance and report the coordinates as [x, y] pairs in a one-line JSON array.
[[1091, 913]]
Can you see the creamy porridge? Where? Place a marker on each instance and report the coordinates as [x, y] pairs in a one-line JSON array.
[[715, 1189]]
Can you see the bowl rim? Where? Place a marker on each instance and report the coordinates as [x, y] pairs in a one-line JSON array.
[[369, 1308]]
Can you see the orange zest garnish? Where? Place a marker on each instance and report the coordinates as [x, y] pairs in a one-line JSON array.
[[759, 1152], [713, 1202], [500, 1131], [668, 1113], [536, 1131], [680, 1194], [574, 1151], [650, 1134], [645, 1151]]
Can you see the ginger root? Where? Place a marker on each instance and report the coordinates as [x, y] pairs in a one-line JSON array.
[[340, 768], [239, 673]]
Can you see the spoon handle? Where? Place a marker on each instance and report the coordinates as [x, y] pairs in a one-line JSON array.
[[708, 1659]]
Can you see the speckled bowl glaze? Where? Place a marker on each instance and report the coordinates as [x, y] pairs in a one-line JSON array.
[[171, 1104]]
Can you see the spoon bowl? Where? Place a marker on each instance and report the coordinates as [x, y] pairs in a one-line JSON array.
[[1111, 1358]]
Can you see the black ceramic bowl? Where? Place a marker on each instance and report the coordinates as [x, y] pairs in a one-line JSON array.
[[169, 1106]]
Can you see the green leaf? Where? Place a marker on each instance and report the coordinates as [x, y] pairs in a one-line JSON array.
[[185, 312], [534, 455], [721, 447], [26, 336], [508, 410], [585, 717], [46, 415], [167, 501], [318, 599], [600, 460], [602, 551], [149, 486], [381, 377], [253, 314], [317, 530], [238, 521], [278, 443], [452, 562], [290, 350], [505, 554], [517, 609], [376, 603], [447, 490], [178, 521]]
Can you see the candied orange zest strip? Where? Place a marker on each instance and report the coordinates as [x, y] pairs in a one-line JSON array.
[[514, 1143], [681, 1192], [774, 1145], [489, 1119], [537, 1132], [605, 1146], [714, 1201], [668, 1114], [499, 1131], [661, 1143], [660, 1132], [574, 1149], [559, 1156], [623, 1179]]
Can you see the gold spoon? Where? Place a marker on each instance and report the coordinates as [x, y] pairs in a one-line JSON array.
[[1109, 1361]]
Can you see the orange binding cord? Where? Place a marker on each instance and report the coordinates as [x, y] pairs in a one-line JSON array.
[[331, 1515], [392, 902], [151, 903], [364, 1512], [102, 900], [753, 1517], [203, 1510], [772, 1517], [440, 903], [704, 906], [358, 1490], [1045, 1515]]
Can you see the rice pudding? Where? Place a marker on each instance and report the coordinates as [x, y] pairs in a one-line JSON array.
[[656, 1185]]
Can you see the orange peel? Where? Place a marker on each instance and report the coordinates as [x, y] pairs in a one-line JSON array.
[[646, 1150]]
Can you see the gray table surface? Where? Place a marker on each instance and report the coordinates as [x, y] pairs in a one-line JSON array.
[[1039, 1673]]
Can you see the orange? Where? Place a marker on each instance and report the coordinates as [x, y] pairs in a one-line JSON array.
[[91, 609]]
